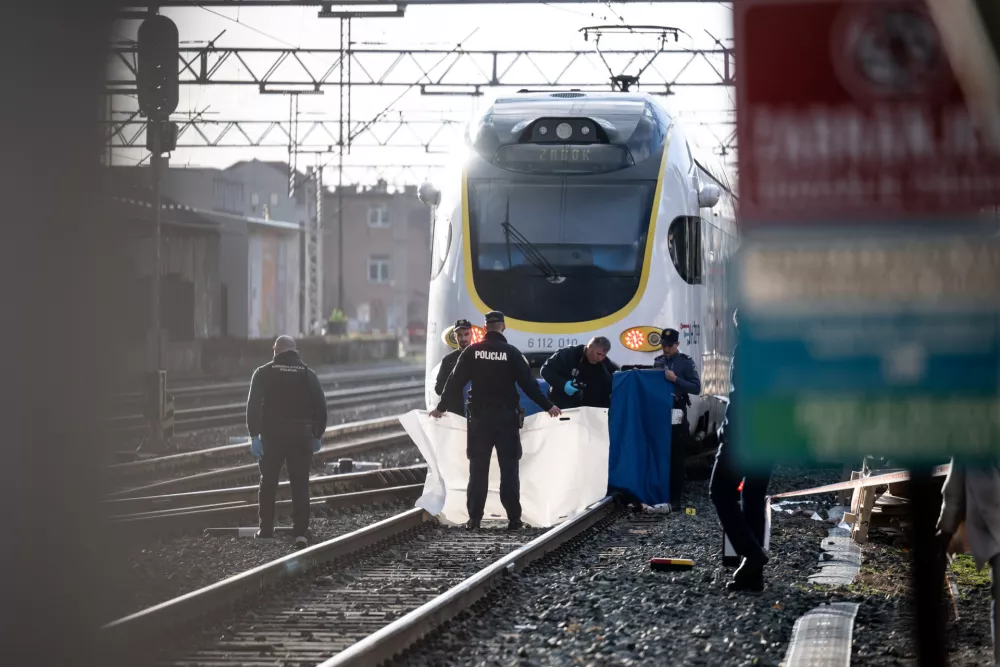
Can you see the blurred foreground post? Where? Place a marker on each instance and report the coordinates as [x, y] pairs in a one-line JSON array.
[[60, 330], [867, 273]]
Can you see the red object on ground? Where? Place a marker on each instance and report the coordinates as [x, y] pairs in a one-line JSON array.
[[667, 564], [850, 109]]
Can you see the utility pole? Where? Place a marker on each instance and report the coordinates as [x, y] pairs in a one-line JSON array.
[[345, 96], [157, 82]]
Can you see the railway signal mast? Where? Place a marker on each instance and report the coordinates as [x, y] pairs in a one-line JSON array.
[[158, 91]]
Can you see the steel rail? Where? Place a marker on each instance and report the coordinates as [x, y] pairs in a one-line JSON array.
[[199, 481], [334, 379], [199, 457], [219, 415], [406, 631], [134, 632], [124, 635], [248, 494], [186, 520]]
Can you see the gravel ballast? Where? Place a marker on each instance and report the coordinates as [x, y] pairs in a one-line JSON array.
[[154, 572], [598, 603], [883, 630]]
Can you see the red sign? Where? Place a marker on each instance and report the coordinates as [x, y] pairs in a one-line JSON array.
[[850, 109]]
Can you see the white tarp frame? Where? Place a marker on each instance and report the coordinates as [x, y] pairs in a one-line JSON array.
[[564, 466]]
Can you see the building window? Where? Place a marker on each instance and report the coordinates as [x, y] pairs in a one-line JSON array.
[[274, 199], [378, 216], [378, 269], [228, 196]]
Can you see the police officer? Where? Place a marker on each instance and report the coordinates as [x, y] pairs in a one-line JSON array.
[[744, 526], [679, 369], [463, 336], [581, 375], [494, 367], [286, 417]]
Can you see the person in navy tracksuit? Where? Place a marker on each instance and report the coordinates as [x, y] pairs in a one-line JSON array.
[[679, 369]]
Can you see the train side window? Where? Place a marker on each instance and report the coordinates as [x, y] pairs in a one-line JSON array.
[[441, 243], [684, 243]]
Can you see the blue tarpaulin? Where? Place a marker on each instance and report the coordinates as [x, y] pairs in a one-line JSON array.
[[639, 429], [529, 405]]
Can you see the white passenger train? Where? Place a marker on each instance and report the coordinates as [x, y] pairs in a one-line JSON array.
[[584, 214]]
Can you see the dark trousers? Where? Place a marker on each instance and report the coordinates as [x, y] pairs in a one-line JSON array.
[[680, 435], [489, 429], [296, 453], [745, 528]]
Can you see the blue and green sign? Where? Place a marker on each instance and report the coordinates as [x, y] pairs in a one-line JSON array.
[[854, 345]]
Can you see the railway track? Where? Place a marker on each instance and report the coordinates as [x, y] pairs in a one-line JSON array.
[[172, 514], [197, 392], [363, 389], [351, 437], [358, 599], [250, 471]]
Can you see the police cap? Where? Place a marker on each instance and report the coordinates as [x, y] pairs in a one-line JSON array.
[[669, 337], [494, 316], [462, 324]]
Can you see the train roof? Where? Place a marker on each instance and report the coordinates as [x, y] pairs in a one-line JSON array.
[[623, 111]]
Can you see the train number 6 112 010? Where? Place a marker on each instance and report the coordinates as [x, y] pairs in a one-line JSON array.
[[551, 343]]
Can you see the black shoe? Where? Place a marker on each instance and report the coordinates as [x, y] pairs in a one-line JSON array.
[[516, 524], [301, 542], [264, 534], [749, 577], [472, 525]]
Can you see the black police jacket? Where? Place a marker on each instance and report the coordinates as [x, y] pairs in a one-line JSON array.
[[558, 370], [284, 391], [729, 423], [494, 367], [447, 366], [688, 382]]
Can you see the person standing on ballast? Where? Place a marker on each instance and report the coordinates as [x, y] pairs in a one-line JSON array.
[[744, 522], [681, 370], [286, 417], [463, 336], [496, 368]]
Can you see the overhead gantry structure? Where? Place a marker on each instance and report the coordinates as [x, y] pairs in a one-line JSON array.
[[294, 72]]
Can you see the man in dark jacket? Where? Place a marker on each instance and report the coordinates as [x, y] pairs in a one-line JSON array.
[[286, 417], [581, 375], [496, 368], [463, 336], [744, 525], [679, 369]]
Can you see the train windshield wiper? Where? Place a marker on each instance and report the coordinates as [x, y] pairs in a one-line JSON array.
[[528, 249]]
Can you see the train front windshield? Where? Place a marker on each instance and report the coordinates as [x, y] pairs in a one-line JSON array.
[[558, 249]]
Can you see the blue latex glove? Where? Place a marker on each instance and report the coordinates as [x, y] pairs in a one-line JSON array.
[[257, 448], [317, 443], [569, 388]]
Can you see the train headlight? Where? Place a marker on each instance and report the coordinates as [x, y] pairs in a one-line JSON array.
[[564, 130], [641, 339]]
